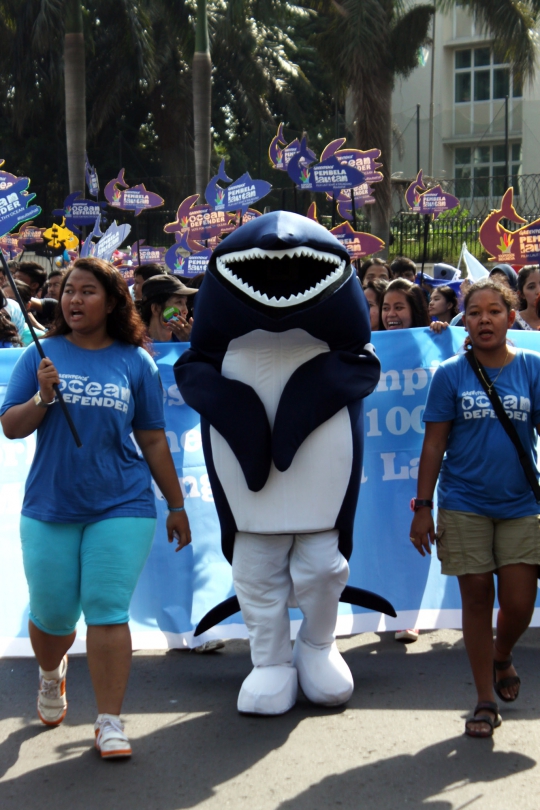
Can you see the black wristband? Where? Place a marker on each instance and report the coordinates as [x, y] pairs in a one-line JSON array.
[[418, 503]]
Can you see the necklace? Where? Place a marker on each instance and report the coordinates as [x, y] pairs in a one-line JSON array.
[[490, 383]]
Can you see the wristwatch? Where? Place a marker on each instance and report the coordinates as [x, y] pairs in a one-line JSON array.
[[40, 402], [418, 503]]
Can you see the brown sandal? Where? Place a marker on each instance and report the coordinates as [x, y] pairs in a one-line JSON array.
[[505, 683], [479, 716]]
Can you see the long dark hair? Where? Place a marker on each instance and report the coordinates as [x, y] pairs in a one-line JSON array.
[[450, 296], [8, 330], [415, 298], [124, 322], [523, 275]]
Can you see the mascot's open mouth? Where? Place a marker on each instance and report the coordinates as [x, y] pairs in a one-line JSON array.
[[282, 278]]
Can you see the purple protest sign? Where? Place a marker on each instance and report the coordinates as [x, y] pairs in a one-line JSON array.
[[6, 179], [329, 175], [92, 180], [199, 222], [280, 154], [424, 200], [146, 253], [78, 211], [28, 234], [10, 246], [239, 195], [357, 243], [192, 265], [137, 198], [364, 161], [14, 206], [107, 242]]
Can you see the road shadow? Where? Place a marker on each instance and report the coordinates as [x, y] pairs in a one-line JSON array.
[[411, 781]]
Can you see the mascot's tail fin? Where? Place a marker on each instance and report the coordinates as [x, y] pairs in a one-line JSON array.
[[350, 595]]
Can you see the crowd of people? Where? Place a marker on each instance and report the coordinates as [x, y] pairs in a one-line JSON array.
[[84, 548]]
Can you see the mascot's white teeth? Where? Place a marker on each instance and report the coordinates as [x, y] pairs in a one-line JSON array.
[[223, 264]]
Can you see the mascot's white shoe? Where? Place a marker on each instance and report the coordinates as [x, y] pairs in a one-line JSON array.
[[324, 676], [268, 690]]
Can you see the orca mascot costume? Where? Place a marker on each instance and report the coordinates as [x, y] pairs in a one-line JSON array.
[[279, 364]]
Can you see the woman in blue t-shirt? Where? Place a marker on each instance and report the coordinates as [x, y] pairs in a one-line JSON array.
[[89, 515], [487, 514]]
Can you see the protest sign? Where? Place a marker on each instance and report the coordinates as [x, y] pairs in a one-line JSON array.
[[329, 175], [429, 201], [239, 195], [146, 254], [199, 223], [366, 162], [92, 181], [58, 236], [357, 243], [176, 590], [15, 205], [136, 199], [107, 242], [280, 153], [521, 246], [79, 212]]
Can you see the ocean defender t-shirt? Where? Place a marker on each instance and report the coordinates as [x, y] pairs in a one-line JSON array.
[[481, 472], [109, 393]]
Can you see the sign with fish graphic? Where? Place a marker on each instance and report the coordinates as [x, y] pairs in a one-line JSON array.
[[79, 212], [146, 254], [6, 179], [137, 198], [92, 180], [366, 162], [330, 175], [424, 200], [58, 236], [521, 246], [280, 153], [107, 242], [199, 222], [239, 195], [357, 243]]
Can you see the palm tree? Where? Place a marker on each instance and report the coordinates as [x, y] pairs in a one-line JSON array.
[[202, 99], [367, 43]]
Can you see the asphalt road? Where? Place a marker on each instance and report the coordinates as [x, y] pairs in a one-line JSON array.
[[399, 742]]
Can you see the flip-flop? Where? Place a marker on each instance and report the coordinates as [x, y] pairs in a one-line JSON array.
[[478, 717], [505, 683]]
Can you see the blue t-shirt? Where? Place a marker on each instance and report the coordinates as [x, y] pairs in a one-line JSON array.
[[109, 393], [481, 471]]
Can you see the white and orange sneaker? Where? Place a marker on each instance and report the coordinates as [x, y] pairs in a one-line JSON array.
[[52, 700], [111, 742]]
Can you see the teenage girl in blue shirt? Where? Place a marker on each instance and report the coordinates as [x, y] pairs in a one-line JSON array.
[[88, 515], [487, 514]]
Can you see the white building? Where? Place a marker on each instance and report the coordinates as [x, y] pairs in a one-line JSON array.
[[461, 91]]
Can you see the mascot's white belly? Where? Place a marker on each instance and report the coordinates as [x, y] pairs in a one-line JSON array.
[[308, 496]]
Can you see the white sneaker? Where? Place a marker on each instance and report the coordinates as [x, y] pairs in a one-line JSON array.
[[52, 700], [407, 635], [111, 742]]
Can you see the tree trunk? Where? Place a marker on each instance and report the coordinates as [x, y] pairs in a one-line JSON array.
[[75, 95], [202, 96]]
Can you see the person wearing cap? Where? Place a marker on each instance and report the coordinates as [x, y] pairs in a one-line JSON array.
[[164, 309]]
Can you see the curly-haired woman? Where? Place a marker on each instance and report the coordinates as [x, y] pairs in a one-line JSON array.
[[88, 515]]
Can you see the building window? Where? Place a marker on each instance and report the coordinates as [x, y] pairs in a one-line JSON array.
[[479, 76], [480, 171]]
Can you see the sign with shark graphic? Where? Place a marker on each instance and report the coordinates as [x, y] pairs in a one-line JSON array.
[[330, 175], [15, 205], [357, 243], [78, 211], [107, 242], [424, 200], [521, 246], [58, 236], [238, 196], [92, 180], [119, 195], [146, 253], [199, 222], [366, 162], [280, 153]]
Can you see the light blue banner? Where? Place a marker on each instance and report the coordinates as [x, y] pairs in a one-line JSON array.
[[176, 590]]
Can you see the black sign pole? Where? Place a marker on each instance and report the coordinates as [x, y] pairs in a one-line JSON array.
[[353, 209], [39, 347], [424, 253]]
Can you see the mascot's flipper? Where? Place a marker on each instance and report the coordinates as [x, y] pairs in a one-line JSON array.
[[350, 595], [314, 393], [234, 410]]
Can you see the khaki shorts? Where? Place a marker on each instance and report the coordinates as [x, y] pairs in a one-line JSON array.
[[475, 544]]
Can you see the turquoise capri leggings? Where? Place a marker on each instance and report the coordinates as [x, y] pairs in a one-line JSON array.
[[83, 567]]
